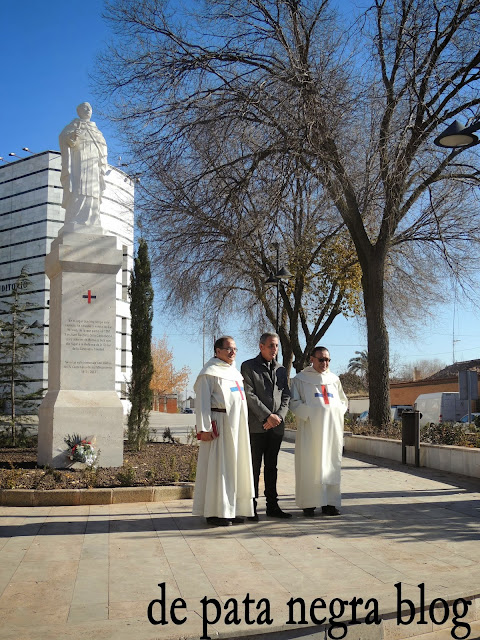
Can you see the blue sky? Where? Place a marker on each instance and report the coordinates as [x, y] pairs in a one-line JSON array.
[[48, 51]]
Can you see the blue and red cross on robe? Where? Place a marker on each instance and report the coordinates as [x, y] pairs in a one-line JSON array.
[[324, 394], [89, 296], [238, 388]]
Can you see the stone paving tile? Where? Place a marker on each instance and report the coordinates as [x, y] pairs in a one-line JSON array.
[[135, 590], [60, 572], [93, 611], [92, 582], [29, 617], [95, 547], [191, 580], [45, 549], [48, 594], [8, 567], [240, 580]]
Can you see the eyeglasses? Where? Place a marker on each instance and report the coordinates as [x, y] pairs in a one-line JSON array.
[[322, 359], [234, 349]]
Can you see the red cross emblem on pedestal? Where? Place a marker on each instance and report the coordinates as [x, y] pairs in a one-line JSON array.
[[89, 296]]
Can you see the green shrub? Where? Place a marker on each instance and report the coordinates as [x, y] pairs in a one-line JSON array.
[[126, 476], [192, 437], [291, 420], [192, 468], [11, 477], [90, 475], [392, 431], [168, 436], [445, 433]]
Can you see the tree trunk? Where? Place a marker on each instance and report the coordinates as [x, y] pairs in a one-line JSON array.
[[287, 355], [12, 382], [378, 341]]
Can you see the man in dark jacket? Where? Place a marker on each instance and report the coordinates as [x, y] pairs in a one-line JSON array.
[[268, 395]]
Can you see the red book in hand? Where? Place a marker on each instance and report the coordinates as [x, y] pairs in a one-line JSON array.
[[214, 431]]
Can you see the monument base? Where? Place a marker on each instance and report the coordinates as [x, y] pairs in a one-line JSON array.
[[96, 414], [81, 396]]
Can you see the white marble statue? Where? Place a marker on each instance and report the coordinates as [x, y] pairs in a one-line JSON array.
[[84, 164]]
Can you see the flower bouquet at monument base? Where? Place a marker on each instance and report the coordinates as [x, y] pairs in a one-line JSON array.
[[82, 449]]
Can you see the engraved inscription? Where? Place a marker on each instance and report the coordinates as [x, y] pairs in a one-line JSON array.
[[88, 335], [88, 339], [87, 367]]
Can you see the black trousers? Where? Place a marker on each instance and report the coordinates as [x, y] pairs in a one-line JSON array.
[[266, 446]]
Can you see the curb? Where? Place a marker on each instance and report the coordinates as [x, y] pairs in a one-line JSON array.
[[76, 497]]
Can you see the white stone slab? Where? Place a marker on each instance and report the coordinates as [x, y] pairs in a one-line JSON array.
[[81, 395]]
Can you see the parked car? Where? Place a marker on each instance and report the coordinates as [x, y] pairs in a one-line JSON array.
[[395, 413], [363, 417], [187, 410], [397, 410], [442, 406], [465, 419]]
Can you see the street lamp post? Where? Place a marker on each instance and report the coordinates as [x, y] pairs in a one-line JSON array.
[[275, 279]]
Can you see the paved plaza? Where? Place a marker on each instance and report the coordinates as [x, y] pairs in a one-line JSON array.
[[92, 572]]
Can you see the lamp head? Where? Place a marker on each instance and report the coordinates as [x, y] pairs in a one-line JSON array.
[[456, 135]]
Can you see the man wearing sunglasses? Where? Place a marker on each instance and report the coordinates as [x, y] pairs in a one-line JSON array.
[[268, 395], [319, 403]]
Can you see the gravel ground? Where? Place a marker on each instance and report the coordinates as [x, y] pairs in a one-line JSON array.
[[157, 464]]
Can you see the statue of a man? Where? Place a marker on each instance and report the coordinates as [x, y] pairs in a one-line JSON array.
[[84, 164]]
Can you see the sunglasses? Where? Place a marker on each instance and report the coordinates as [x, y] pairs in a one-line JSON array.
[[322, 359]]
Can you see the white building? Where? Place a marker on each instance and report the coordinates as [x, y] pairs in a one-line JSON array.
[[30, 217]]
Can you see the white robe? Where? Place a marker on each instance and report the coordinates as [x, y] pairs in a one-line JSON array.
[[224, 481], [319, 403]]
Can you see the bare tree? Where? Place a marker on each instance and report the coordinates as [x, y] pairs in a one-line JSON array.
[[214, 243], [356, 105], [418, 370]]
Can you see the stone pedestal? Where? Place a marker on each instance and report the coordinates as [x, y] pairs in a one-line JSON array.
[[81, 395]]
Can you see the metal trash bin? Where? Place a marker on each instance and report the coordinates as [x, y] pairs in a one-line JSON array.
[[408, 428], [411, 434]]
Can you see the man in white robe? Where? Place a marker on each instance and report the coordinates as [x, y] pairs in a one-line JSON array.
[[224, 482], [319, 403]]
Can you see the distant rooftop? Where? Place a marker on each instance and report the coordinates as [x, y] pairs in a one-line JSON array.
[[452, 370]]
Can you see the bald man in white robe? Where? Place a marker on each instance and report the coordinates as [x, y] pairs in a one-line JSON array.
[[224, 483]]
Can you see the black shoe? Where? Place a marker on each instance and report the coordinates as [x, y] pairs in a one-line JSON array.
[[276, 512], [309, 512], [330, 510], [255, 517], [218, 522], [238, 520]]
